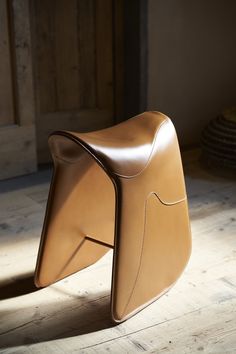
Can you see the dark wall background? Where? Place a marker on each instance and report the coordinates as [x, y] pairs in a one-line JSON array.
[[191, 61]]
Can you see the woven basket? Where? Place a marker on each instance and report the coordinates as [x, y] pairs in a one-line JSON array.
[[219, 140]]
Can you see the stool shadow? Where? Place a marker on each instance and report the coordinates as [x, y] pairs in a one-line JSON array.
[[56, 320], [22, 285]]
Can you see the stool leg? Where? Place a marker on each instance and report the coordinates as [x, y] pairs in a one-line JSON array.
[[79, 221], [152, 247]]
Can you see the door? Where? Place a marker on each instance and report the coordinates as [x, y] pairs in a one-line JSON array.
[[17, 129], [78, 53]]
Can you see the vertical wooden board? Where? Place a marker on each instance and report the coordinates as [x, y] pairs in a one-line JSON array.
[[6, 85], [87, 74], [17, 151], [104, 54], [66, 54], [23, 63], [44, 55], [118, 57], [17, 141]]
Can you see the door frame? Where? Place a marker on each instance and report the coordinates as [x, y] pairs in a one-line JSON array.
[[135, 56]]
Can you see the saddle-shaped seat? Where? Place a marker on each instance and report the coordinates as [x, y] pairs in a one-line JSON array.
[[122, 188]]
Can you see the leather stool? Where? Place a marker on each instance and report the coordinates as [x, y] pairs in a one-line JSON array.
[[122, 188]]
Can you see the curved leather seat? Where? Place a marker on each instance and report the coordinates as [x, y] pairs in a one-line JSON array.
[[122, 188], [125, 148]]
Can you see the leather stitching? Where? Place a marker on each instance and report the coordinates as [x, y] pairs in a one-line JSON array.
[[142, 247]]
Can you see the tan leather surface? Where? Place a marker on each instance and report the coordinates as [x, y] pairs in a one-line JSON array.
[[125, 151], [75, 210], [122, 186]]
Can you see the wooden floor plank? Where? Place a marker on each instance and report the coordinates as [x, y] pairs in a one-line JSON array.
[[72, 316]]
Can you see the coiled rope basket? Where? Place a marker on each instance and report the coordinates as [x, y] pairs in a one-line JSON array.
[[219, 141]]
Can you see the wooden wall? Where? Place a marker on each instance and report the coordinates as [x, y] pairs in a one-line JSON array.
[[61, 67], [74, 54], [17, 111], [6, 79], [75, 65]]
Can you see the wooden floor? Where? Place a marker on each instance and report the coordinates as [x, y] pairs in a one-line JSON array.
[[198, 315]]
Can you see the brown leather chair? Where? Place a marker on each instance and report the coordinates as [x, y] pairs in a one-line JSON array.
[[120, 188]]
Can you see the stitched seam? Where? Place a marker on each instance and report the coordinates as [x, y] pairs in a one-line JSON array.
[[168, 203], [140, 259], [141, 255], [63, 160]]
